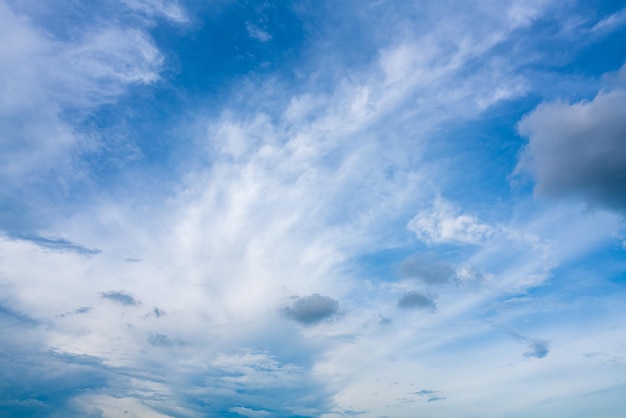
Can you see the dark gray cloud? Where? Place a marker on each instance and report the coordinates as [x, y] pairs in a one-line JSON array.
[[311, 309], [120, 297], [537, 348], [414, 299], [58, 244], [579, 149], [427, 268]]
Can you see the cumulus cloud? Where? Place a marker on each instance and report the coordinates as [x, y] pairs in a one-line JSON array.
[[311, 309], [427, 268], [578, 149], [443, 223], [120, 297], [415, 300]]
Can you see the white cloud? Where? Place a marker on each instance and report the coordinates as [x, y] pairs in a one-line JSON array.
[[43, 77], [169, 9], [444, 224], [248, 412], [292, 194], [610, 22], [257, 33]]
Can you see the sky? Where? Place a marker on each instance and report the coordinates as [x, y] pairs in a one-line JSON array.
[[313, 208]]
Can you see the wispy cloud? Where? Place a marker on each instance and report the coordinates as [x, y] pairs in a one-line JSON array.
[[248, 412], [266, 151], [168, 9], [257, 33], [60, 244]]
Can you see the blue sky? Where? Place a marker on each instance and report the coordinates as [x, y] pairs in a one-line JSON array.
[[312, 208]]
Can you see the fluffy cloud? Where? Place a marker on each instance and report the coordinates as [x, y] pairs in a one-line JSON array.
[[443, 223], [579, 149], [287, 189], [311, 309], [414, 299]]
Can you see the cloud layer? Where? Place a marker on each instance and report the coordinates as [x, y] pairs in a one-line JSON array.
[[311, 210]]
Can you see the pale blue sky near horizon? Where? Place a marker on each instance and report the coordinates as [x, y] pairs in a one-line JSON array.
[[312, 208]]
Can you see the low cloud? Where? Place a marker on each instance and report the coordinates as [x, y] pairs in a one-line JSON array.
[[537, 348], [311, 309], [578, 149], [121, 298], [414, 299], [426, 268]]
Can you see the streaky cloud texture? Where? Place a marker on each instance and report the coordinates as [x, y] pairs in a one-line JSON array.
[[312, 209]]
